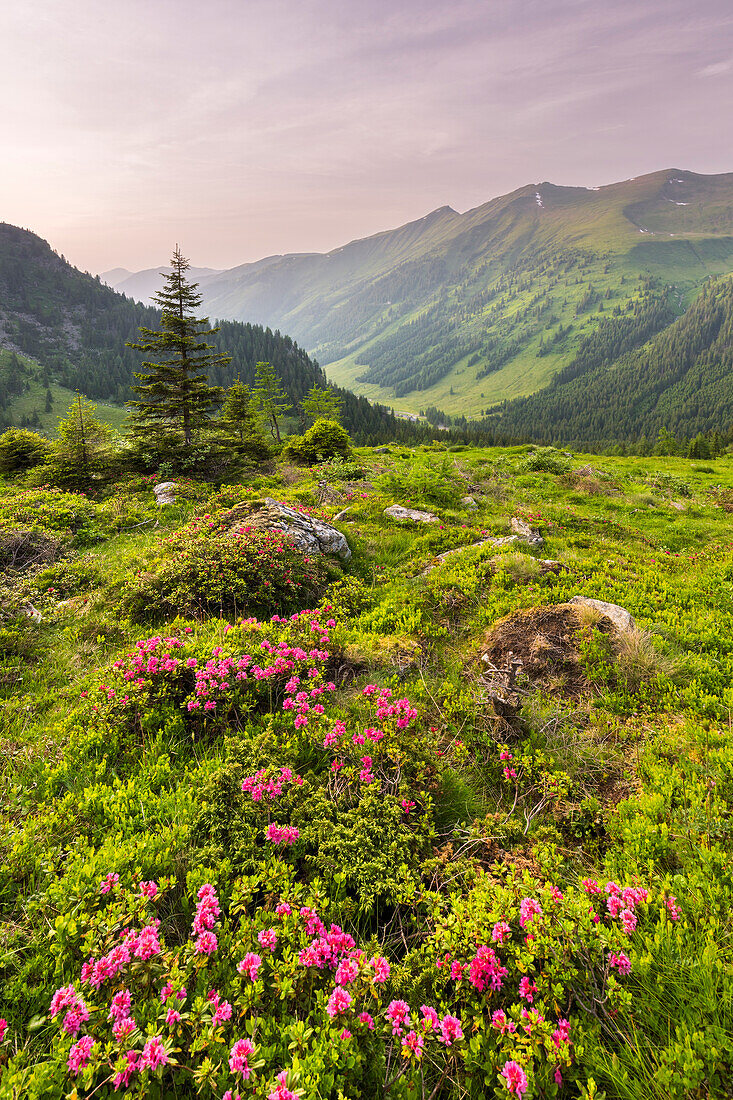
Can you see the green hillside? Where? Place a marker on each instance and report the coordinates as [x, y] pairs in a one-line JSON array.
[[416, 819], [463, 311], [25, 400], [68, 331], [621, 386]]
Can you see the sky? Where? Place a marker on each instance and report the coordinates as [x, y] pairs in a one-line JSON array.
[[245, 128]]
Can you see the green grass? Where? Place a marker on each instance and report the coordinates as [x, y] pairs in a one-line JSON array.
[[640, 761]]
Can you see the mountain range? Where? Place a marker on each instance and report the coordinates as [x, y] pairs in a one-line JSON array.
[[467, 311]]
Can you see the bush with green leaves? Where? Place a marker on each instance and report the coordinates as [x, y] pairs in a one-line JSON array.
[[21, 449], [325, 440], [211, 567], [547, 460]]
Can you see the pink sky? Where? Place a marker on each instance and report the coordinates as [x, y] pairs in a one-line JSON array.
[[242, 128]]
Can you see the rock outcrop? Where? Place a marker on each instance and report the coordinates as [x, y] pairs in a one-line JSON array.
[[165, 492], [309, 534], [525, 533]]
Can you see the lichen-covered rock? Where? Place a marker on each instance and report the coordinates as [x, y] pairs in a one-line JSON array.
[[526, 533], [619, 616], [409, 515], [165, 492], [307, 533]]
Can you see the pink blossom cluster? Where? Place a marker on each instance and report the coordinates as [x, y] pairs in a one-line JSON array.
[[207, 913], [154, 1053], [77, 1013], [281, 834], [124, 1024], [327, 949], [249, 966], [3, 1028], [108, 882], [135, 945], [220, 673], [622, 903], [146, 662], [133, 1065], [258, 785], [239, 1055], [515, 1079], [446, 1031], [484, 969], [80, 1054], [621, 962], [502, 1023], [339, 1001], [221, 1010], [529, 908]]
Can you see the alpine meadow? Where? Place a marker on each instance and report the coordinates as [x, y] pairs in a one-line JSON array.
[[366, 609]]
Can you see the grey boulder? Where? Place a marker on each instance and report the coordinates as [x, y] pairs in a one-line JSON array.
[[310, 535], [619, 616], [165, 492], [409, 515]]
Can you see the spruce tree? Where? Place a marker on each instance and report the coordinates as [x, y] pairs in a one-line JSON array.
[[321, 404], [173, 392], [241, 424], [270, 398], [82, 452]]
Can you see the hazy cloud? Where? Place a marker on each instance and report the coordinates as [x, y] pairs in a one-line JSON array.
[[257, 126]]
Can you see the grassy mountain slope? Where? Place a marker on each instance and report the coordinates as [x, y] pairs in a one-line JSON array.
[[72, 329], [24, 397], [466, 310], [680, 379]]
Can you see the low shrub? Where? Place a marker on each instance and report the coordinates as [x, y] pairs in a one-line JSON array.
[[326, 439], [21, 449], [209, 567], [547, 460]]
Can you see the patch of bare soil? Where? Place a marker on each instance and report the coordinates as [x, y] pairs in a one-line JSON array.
[[541, 644]]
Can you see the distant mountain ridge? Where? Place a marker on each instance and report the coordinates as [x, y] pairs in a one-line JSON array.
[[142, 285], [464, 311]]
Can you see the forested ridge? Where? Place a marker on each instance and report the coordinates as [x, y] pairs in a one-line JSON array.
[[616, 389], [76, 329]]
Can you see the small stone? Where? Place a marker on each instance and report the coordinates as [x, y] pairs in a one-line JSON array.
[[165, 492], [409, 515], [619, 616], [470, 503]]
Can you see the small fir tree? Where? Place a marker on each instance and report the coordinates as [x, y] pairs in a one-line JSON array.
[[82, 450], [320, 404], [240, 422], [173, 391], [270, 398]]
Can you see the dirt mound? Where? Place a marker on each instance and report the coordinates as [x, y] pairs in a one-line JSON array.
[[538, 647]]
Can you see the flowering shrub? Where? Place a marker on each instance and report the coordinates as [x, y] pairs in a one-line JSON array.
[[528, 968], [304, 1008], [224, 681], [209, 566]]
